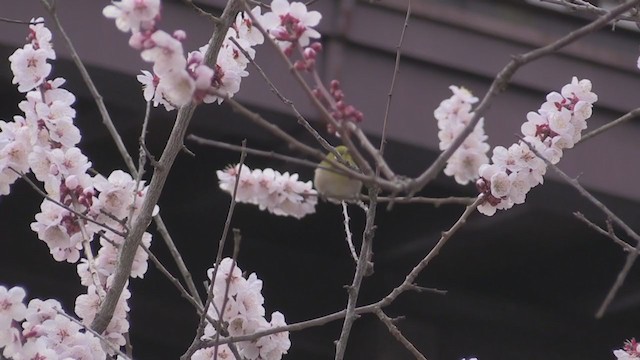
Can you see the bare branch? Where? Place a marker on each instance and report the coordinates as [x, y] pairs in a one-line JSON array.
[[624, 118], [388, 322], [364, 267], [347, 230], [632, 255], [22, 22], [608, 233], [396, 70], [200, 11], [301, 120], [407, 285], [588, 8]]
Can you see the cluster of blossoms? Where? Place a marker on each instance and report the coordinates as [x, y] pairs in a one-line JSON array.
[[556, 126], [280, 194], [176, 79], [81, 206], [40, 331], [630, 351], [453, 116], [238, 303]]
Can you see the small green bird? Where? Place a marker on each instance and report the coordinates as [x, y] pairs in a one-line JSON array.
[[332, 184]]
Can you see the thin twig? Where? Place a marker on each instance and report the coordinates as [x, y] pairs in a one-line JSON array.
[[142, 158], [262, 153], [23, 22], [293, 142], [622, 275], [197, 341], [364, 267], [407, 285], [347, 231], [388, 322], [426, 200], [299, 117], [202, 12], [182, 267], [610, 233], [195, 301], [88, 252], [103, 340], [588, 8], [624, 118], [632, 255], [396, 71]]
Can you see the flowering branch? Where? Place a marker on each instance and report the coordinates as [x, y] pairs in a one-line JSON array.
[[500, 83], [173, 147], [108, 123]]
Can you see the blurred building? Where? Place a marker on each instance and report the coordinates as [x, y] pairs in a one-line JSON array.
[[522, 284]]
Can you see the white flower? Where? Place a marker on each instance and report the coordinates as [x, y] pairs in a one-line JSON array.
[[580, 89], [289, 23], [149, 83], [11, 306], [246, 30], [165, 53], [134, 15], [29, 67]]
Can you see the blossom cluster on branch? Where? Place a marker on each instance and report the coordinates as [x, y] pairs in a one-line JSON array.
[[39, 330], [238, 302], [556, 126], [79, 206], [279, 193], [453, 115]]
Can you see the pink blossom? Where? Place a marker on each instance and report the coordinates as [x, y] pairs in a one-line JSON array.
[[133, 15], [11, 306], [29, 67], [291, 23]]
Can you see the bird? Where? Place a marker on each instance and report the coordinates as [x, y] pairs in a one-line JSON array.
[[332, 184]]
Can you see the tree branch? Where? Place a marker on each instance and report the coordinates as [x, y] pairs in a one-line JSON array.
[[173, 147]]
